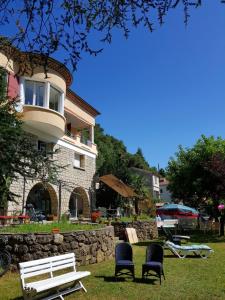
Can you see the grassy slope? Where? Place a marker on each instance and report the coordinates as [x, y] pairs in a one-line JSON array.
[[191, 278]]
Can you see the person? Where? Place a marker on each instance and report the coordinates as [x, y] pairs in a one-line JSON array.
[[118, 214]]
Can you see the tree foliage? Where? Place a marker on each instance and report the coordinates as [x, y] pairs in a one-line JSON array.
[[197, 174], [19, 155], [137, 160], [113, 158], [44, 27]]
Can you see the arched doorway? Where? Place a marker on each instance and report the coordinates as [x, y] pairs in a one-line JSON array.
[[43, 197], [79, 204]]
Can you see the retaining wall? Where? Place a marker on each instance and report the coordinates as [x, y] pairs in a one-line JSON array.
[[90, 247], [146, 230]]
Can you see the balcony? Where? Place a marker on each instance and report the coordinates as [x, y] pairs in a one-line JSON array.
[[45, 120], [77, 140]]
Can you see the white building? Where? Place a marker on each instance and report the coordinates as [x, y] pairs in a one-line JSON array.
[[57, 118], [151, 181], [165, 194]]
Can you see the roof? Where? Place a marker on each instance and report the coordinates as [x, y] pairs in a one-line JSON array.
[[118, 185], [81, 102], [34, 60], [162, 183], [143, 171]]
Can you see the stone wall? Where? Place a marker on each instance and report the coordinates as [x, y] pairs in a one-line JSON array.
[[89, 246], [146, 230]]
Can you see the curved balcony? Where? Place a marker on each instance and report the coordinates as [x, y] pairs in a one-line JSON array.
[[43, 119]]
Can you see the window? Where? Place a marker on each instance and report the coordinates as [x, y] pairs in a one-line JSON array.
[[79, 161], [39, 94], [34, 93], [55, 99], [42, 147], [42, 94], [46, 148]]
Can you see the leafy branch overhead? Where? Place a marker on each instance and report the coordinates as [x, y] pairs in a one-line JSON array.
[[44, 27]]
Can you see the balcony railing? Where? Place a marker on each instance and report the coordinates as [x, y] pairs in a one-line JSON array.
[[78, 138]]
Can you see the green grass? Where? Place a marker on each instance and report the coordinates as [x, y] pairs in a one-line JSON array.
[[142, 217], [190, 278], [47, 228]]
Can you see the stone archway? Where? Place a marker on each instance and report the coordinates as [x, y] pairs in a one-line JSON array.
[[79, 203], [44, 198]]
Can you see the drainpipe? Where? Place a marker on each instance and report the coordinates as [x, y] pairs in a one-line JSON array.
[[60, 200], [24, 189]]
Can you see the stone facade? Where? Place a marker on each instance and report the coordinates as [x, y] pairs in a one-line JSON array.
[[89, 246], [74, 180], [146, 230]]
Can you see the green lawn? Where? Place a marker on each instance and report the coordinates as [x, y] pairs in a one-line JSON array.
[[190, 278], [47, 228]]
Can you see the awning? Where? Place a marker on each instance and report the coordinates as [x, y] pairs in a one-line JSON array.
[[119, 186]]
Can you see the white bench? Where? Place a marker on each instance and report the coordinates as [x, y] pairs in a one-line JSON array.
[[55, 283]]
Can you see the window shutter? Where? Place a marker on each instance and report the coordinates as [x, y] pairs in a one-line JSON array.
[[13, 86]]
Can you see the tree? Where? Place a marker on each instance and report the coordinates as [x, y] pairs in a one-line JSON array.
[[112, 155], [139, 185], [19, 155], [197, 174], [113, 158], [162, 172], [137, 160], [45, 27]]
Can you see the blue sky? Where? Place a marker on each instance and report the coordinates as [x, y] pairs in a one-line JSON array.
[[156, 91], [162, 89]]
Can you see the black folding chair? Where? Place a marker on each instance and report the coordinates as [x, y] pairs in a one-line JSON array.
[[124, 260], [154, 262]]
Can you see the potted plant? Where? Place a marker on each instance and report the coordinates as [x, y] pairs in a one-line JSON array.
[[96, 214], [55, 230]]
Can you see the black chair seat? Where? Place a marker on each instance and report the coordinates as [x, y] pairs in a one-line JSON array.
[[124, 263], [153, 264]]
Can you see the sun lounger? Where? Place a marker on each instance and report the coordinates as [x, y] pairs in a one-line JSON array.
[[176, 239], [182, 251]]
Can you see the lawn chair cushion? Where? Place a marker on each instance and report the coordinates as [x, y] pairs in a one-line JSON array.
[[189, 247]]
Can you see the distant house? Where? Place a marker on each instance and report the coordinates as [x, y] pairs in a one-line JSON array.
[[151, 181], [165, 194]]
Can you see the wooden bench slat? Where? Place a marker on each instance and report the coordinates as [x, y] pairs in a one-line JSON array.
[[45, 260], [45, 266], [49, 283], [66, 263], [45, 271], [63, 262]]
